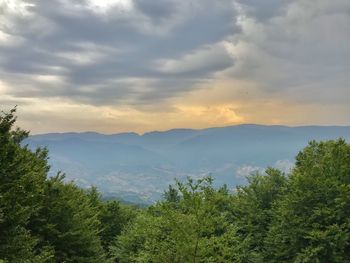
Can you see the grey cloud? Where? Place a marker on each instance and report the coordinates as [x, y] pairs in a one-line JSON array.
[[288, 48], [157, 10], [127, 51], [263, 10], [300, 53]]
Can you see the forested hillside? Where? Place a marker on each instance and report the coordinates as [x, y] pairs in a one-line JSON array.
[[302, 216]]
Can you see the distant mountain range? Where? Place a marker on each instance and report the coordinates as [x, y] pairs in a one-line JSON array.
[[137, 168]]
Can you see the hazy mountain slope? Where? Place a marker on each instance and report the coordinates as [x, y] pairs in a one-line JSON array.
[[141, 166]]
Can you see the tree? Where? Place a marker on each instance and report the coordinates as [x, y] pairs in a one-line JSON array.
[[191, 228], [69, 222], [41, 219], [312, 220], [251, 213], [114, 217], [22, 180]]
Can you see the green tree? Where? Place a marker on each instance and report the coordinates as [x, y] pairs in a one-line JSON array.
[[251, 213], [191, 228], [68, 221], [312, 220], [41, 219], [114, 217], [22, 180]]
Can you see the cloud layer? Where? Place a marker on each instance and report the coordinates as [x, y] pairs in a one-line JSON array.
[[119, 65]]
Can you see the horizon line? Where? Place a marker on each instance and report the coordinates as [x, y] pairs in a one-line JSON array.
[[191, 129]]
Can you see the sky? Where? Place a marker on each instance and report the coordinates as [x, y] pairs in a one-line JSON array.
[[141, 65]]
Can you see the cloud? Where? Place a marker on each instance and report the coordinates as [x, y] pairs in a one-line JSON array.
[[267, 61], [262, 10], [246, 170], [205, 60], [285, 166], [96, 45], [302, 49]]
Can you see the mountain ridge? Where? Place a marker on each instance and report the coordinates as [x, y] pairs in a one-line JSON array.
[[137, 166], [189, 129]]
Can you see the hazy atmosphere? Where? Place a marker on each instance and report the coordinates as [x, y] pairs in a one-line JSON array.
[[174, 131], [138, 65]]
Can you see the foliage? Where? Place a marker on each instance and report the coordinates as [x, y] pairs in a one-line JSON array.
[[68, 222], [251, 212], [22, 180], [191, 228], [46, 219], [312, 221]]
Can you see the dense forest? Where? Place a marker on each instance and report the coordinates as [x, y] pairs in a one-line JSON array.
[[303, 216]]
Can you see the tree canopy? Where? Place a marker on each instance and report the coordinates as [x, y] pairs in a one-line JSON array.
[[303, 216], [46, 219]]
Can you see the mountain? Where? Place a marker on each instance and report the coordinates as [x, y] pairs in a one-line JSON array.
[[138, 168]]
